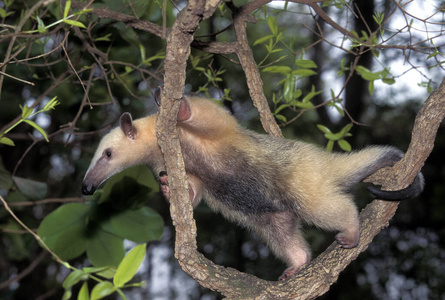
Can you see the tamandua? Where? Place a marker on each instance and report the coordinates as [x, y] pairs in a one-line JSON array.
[[269, 185]]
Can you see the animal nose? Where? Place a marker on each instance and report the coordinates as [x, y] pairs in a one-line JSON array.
[[87, 189]]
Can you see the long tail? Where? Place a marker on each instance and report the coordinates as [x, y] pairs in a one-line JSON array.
[[411, 191], [374, 158]]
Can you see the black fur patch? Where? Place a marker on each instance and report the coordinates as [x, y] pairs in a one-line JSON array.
[[240, 182]]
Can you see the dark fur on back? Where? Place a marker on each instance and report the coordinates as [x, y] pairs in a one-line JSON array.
[[241, 182]]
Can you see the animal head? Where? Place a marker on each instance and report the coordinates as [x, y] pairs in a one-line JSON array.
[[129, 144]]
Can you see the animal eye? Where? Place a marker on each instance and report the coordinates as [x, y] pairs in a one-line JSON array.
[[107, 152]]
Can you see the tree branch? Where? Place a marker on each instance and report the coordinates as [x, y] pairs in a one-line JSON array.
[[105, 13], [254, 81]]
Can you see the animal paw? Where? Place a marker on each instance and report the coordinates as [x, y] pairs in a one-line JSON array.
[[163, 182], [347, 240], [288, 273]]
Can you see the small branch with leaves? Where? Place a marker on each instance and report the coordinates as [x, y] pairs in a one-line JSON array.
[[27, 113]]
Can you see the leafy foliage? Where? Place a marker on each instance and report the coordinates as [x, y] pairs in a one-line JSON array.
[[338, 137], [27, 113], [125, 271], [99, 228]]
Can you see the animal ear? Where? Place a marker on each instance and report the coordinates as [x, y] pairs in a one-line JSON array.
[[126, 123], [185, 111], [157, 95]]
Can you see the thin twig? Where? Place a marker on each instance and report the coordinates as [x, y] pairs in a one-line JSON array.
[[35, 235]]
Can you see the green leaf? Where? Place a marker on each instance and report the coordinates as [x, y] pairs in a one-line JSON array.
[[38, 128], [303, 72], [128, 69], [141, 174], [346, 129], [129, 265], [367, 74], [330, 146], [389, 80], [125, 195], [332, 95], [67, 8], [371, 87], [435, 53], [340, 110], [90, 270], [263, 39], [272, 23], [305, 63], [73, 278], [6, 141], [281, 118], [40, 25], [276, 50], [83, 293], [285, 70], [288, 90], [51, 104], [106, 271], [72, 242], [311, 95], [142, 51], [26, 111], [102, 289], [376, 52], [345, 145], [139, 226], [74, 23], [33, 190], [280, 108], [67, 295], [105, 249], [297, 94], [323, 128], [332, 136], [304, 104], [105, 38], [60, 220]]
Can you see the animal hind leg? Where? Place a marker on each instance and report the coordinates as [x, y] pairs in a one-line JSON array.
[[348, 226], [281, 231], [338, 214]]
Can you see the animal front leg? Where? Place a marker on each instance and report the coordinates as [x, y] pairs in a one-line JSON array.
[[163, 183], [195, 187]]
